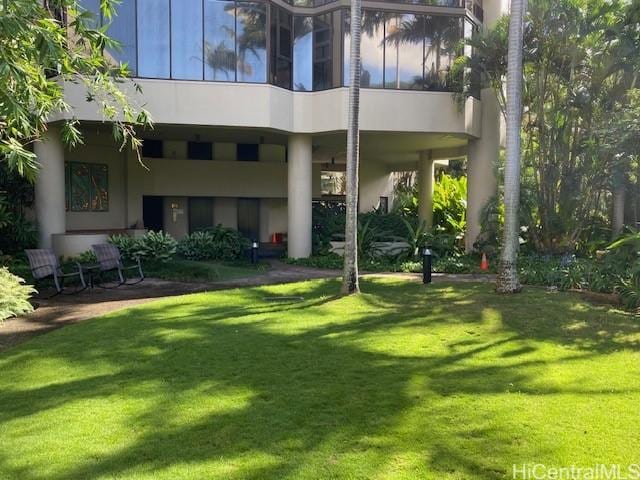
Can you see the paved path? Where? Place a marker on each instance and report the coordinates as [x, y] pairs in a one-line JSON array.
[[64, 310]]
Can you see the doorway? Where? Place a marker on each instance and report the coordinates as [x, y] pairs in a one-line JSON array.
[[153, 212], [200, 213], [249, 218]]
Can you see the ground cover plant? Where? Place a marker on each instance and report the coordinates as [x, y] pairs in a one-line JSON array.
[[182, 270], [14, 295], [401, 382]]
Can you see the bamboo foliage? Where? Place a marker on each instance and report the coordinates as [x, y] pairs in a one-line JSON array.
[[580, 60]]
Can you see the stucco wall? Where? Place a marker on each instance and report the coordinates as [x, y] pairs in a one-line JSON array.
[[273, 217], [375, 182], [265, 106]]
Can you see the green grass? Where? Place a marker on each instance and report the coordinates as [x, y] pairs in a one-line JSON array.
[[176, 269], [181, 270], [402, 382]]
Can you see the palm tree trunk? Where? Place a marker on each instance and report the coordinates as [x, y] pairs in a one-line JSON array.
[[350, 283], [508, 281]]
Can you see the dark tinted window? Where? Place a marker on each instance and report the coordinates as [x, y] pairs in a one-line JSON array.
[[322, 52], [200, 150], [152, 148], [384, 205], [248, 152], [281, 48]]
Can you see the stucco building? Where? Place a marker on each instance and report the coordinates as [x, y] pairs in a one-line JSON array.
[[249, 101]]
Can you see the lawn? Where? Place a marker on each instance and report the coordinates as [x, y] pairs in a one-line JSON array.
[[181, 270], [402, 382], [176, 269]]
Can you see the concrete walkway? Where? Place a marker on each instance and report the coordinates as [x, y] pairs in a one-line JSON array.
[[64, 310]]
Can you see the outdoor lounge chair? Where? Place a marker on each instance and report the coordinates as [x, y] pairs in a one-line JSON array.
[[110, 260], [44, 264]]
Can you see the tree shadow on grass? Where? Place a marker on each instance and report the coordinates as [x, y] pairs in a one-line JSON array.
[[312, 389]]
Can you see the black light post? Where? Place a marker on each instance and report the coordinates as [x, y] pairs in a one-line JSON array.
[[254, 252], [427, 258]]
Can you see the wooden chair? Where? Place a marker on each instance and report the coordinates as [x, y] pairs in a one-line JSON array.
[[45, 264], [110, 260]]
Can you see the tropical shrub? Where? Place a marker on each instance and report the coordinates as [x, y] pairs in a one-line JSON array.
[[16, 232], [391, 226], [153, 246], [157, 246], [129, 246], [14, 295], [629, 291], [368, 237], [197, 246], [418, 238], [328, 220], [16, 195], [450, 204], [219, 243]]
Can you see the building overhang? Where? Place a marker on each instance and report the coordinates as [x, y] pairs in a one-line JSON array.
[[243, 105]]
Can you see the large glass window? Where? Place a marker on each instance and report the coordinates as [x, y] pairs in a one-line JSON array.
[[372, 49], [474, 81], [123, 29], [404, 52], [226, 40], [322, 52], [442, 39], [346, 48], [153, 38], [186, 39], [303, 53], [281, 47], [251, 38], [93, 7], [220, 40]]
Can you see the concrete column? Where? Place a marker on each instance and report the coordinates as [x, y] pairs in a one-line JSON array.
[[493, 10], [300, 196], [375, 182], [425, 188], [481, 166], [49, 187], [134, 181]]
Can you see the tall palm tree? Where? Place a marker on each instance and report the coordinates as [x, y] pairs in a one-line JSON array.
[[508, 281], [350, 282]]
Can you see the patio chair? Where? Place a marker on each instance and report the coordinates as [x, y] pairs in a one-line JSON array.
[[45, 264], [110, 260]]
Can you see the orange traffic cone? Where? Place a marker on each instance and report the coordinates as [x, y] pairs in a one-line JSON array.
[[484, 264]]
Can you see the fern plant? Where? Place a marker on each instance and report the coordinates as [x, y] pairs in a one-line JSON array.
[[14, 295]]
